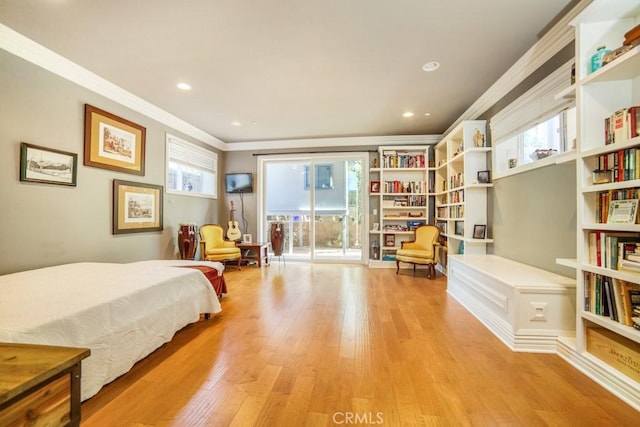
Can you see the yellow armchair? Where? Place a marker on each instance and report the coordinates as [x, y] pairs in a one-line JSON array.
[[213, 247], [424, 250]]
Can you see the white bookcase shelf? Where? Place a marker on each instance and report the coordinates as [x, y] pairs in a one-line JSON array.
[[599, 94], [460, 200], [403, 198]]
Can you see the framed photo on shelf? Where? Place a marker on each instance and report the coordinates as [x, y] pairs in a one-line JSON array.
[[376, 226], [390, 240], [375, 186], [47, 165], [246, 238], [111, 142], [137, 207], [622, 211], [459, 228], [479, 231], [484, 177]]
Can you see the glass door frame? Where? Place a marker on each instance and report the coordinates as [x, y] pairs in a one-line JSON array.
[[313, 159]]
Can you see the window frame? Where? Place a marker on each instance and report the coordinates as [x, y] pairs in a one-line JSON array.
[[189, 151]]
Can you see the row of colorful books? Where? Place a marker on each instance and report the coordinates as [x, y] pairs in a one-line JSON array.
[[617, 251], [606, 296], [404, 187], [622, 125], [604, 199], [401, 160], [623, 164]]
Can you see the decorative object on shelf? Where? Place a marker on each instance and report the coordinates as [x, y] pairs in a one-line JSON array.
[[376, 226], [622, 211], [47, 165], [479, 231], [616, 53], [247, 238], [602, 176], [542, 153], [459, 228], [277, 238], [478, 138], [375, 186], [188, 240], [513, 163], [389, 240], [596, 58], [375, 250], [374, 163], [137, 207], [484, 177], [111, 142]]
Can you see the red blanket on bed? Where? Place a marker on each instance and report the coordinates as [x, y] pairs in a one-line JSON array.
[[217, 280]]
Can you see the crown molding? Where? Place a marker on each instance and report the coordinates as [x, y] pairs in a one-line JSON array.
[[25, 48], [354, 141], [552, 42]]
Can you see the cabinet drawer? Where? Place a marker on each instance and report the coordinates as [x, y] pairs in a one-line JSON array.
[[48, 405]]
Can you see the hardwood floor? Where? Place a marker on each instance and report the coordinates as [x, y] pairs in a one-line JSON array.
[[321, 345]]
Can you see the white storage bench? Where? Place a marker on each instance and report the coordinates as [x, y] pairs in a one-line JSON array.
[[526, 307]]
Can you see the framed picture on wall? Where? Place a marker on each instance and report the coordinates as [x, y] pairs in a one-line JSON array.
[[111, 142], [375, 186], [137, 207], [47, 165]]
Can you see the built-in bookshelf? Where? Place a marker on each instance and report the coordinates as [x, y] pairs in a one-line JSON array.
[[607, 265], [462, 178], [401, 195]]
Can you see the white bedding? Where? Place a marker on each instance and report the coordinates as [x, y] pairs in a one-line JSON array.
[[122, 312]]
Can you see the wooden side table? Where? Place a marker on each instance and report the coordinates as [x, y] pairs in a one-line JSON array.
[[40, 385], [260, 252]]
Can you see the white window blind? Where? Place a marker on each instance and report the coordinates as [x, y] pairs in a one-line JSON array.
[[536, 105]]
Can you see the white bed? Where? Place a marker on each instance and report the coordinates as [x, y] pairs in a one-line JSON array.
[[122, 312]]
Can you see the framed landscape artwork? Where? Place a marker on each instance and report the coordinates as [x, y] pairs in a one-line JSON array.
[[137, 207], [111, 142], [47, 165]]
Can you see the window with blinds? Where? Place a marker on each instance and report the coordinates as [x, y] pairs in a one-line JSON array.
[[191, 170], [537, 125]]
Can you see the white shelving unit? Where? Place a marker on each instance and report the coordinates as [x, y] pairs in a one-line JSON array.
[[400, 198], [460, 196], [598, 95]]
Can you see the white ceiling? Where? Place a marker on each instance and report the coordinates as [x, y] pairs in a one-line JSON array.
[[291, 69]]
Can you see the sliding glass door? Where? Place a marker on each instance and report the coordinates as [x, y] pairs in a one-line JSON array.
[[318, 201]]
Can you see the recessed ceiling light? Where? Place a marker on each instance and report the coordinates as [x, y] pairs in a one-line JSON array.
[[427, 114], [236, 123], [431, 66], [407, 114], [184, 86]]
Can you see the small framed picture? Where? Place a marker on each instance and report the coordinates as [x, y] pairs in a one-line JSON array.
[[246, 238], [47, 165], [375, 186], [376, 226], [459, 228], [484, 177], [389, 240], [479, 231], [622, 211]]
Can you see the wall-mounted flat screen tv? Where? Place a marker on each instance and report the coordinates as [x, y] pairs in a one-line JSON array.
[[238, 182]]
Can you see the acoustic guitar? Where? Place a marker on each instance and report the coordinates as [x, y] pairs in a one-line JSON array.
[[233, 232]]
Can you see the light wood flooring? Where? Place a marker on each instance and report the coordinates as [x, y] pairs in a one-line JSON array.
[[323, 345]]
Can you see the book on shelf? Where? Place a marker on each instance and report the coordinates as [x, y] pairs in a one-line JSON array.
[[622, 125], [611, 297]]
